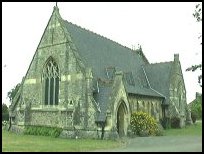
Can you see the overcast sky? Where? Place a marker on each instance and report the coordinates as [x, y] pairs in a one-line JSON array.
[[162, 29]]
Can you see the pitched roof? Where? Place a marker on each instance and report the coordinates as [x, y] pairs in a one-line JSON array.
[[159, 76], [141, 88], [142, 91], [99, 53], [103, 99]]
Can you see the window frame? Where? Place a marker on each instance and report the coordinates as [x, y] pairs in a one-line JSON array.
[[50, 77]]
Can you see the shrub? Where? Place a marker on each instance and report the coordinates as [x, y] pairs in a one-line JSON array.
[[5, 112], [175, 122], [43, 131], [194, 116], [143, 124], [196, 107], [160, 130]]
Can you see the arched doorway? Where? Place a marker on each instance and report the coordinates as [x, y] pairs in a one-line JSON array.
[[121, 119]]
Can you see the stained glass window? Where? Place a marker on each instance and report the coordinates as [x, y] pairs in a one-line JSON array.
[[51, 80]]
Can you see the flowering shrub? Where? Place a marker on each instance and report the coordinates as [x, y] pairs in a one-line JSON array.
[[143, 124]]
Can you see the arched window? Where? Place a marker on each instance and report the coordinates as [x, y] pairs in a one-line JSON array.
[[51, 82]]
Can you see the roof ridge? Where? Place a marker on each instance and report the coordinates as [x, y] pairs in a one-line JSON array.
[[99, 35], [160, 63]]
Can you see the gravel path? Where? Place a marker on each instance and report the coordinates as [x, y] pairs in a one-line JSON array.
[[161, 144]]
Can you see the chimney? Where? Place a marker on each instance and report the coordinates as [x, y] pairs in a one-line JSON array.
[[176, 57]]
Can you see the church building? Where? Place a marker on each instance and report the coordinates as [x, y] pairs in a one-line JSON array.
[[89, 85]]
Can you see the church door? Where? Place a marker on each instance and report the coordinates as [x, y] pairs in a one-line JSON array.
[[121, 120]]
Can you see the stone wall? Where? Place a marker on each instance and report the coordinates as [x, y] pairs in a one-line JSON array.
[[177, 94], [118, 96], [53, 118], [150, 105], [74, 106]]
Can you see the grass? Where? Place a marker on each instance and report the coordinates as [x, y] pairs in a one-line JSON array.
[[21, 143], [192, 130], [30, 143]]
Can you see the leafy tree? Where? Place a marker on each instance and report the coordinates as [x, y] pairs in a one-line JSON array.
[[197, 108], [11, 94], [194, 116], [198, 15], [5, 112]]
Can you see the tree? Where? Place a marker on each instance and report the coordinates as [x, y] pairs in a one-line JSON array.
[[11, 94], [198, 15], [196, 107], [5, 112]]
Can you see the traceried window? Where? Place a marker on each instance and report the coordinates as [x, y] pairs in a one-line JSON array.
[[51, 82]]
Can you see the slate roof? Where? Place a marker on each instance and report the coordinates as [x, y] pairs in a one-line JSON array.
[[159, 76], [142, 91], [103, 99], [99, 53]]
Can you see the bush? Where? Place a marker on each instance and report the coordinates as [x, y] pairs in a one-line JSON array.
[[160, 130], [143, 124], [5, 112], [194, 116], [196, 107], [5, 116], [175, 122], [43, 131]]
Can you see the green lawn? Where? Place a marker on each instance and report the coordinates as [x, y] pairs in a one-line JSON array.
[[192, 130], [14, 142]]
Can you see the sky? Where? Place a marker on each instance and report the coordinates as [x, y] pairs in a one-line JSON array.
[[162, 29]]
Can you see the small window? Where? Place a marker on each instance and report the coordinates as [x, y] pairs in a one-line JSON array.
[[129, 78], [110, 72]]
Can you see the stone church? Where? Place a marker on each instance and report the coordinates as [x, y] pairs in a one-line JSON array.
[[89, 85]]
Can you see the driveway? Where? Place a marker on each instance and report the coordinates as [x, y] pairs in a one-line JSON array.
[[161, 144]]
